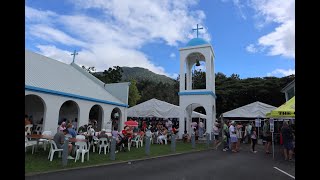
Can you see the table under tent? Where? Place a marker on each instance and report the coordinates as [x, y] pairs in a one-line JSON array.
[[155, 109]]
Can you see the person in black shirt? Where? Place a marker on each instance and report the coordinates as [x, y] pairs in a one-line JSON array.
[[287, 137]]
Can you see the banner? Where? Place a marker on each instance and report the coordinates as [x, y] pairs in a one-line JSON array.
[[271, 125], [258, 122]]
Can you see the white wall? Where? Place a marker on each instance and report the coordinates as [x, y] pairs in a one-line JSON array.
[[54, 103]]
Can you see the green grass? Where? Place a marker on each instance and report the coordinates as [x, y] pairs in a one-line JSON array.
[[38, 162]]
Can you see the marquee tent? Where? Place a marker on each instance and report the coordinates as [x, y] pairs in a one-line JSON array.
[[160, 109], [250, 111], [286, 110]]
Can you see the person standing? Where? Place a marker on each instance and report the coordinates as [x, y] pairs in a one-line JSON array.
[[267, 136], [287, 137], [226, 136], [253, 139], [216, 134], [248, 133], [239, 135], [233, 136]]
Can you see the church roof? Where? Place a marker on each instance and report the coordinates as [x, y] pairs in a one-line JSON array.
[[196, 42], [51, 76]]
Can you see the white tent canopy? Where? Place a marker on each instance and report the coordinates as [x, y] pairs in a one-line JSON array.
[[160, 109], [253, 110]]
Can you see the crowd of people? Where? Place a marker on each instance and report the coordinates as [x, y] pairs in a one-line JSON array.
[[233, 134], [230, 133]]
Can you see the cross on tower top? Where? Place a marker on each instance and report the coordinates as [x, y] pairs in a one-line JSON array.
[[197, 30], [74, 55]]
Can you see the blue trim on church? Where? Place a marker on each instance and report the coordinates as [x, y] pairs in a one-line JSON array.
[[48, 91], [197, 93]]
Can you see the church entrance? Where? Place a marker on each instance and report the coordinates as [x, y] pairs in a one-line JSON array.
[[69, 112], [96, 117], [115, 118], [35, 109]]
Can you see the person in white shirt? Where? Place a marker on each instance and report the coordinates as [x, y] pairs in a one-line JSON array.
[[233, 136], [239, 135], [216, 132]]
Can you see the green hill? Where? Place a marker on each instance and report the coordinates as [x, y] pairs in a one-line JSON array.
[[140, 74]]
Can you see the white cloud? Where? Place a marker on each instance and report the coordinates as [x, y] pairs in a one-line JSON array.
[[35, 15], [201, 67], [166, 19], [251, 48], [281, 41], [174, 75], [117, 34], [240, 7], [281, 72], [172, 55], [53, 35]]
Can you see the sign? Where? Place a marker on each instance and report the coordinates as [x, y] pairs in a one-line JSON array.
[[258, 122], [271, 125], [109, 125], [285, 113]]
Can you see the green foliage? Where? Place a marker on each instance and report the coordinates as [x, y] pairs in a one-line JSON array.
[[134, 95], [199, 80], [233, 92], [141, 74], [161, 91], [112, 75], [89, 69]]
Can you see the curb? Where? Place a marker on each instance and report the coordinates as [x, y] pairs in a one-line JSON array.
[[114, 163]]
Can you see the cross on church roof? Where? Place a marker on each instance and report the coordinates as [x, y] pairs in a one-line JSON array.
[[197, 30], [74, 55]]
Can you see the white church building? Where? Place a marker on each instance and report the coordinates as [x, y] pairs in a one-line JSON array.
[[56, 91]]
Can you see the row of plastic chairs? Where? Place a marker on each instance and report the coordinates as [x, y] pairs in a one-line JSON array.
[[28, 129]]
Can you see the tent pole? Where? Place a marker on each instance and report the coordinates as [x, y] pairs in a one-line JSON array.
[[272, 146]]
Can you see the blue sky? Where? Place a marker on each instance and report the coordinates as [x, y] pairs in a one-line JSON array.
[[252, 38]]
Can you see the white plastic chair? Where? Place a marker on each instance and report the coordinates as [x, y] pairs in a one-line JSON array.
[[29, 143], [28, 129], [54, 149], [83, 149], [135, 140], [45, 141], [68, 136], [165, 139], [103, 143], [80, 137], [38, 129], [94, 143], [141, 141]]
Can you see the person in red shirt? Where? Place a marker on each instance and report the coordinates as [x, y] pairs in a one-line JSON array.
[[144, 125]]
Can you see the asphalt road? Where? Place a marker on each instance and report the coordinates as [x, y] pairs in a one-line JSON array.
[[206, 165]]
